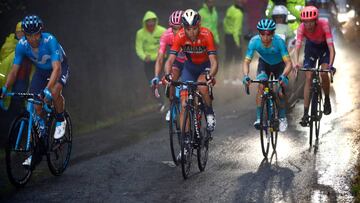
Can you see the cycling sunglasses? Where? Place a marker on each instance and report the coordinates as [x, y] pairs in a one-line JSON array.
[[266, 32]]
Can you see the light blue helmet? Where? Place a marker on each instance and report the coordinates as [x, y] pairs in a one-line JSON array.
[[266, 25]]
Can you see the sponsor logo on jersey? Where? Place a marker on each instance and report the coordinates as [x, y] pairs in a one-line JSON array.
[[194, 49]]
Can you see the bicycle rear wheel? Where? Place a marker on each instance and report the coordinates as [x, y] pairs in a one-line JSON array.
[[203, 148], [186, 143], [174, 131], [264, 128], [59, 151], [16, 152], [274, 124]]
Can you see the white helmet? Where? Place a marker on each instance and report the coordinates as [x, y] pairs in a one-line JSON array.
[[280, 10], [190, 18]]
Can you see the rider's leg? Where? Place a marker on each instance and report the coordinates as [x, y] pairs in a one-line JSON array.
[[308, 78], [176, 75], [325, 83], [209, 111]]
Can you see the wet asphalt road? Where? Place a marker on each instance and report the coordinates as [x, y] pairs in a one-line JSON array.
[[131, 162]]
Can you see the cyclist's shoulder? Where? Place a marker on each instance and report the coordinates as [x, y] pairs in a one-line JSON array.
[[48, 38], [278, 40], [255, 40], [22, 43], [205, 32]]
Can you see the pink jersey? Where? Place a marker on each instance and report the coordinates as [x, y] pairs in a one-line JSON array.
[[321, 34], [167, 40]]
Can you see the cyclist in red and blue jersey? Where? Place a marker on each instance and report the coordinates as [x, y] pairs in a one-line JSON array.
[[274, 59], [52, 70], [202, 64], [319, 46], [166, 41]]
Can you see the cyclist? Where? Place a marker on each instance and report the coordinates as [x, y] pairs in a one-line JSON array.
[[293, 6], [319, 45], [274, 59], [198, 45], [52, 70], [166, 40], [279, 15]]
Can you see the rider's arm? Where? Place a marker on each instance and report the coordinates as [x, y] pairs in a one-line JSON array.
[[55, 74], [285, 57], [249, 55], [159, 63], [332, 55], [298, 43], [161, 53], [288, 67], [214, 65], [169, 63], [246, 66], [56, 55], [329, 41], [12, 76], [211, 51], [19, 54]]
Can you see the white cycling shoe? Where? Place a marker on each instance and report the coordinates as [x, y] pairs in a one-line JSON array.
[[211, 122], [60, 129], [27, 161], [167, 117], [283, 124]]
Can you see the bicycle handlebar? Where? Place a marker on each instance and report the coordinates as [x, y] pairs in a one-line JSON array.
[[27, 95], [189, 83], [320, 70], [247, 89]]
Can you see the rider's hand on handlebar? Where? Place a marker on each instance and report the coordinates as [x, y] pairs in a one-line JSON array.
[[155, 81], [168, 77], [333, 70], [283, 80], [3, 91], [47, 95], [210, 80], [246, 80]]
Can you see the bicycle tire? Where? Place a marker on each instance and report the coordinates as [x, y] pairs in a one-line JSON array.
[[186, 144], [319, 113], [264, 136], [10, 148], [313, 116], [174, 131], [203, 147], [55, 148], [274, 125]]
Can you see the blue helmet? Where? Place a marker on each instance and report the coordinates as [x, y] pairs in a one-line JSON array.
[[266, 25], [32, 24]]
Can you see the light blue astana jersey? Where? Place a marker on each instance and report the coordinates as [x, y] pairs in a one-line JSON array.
[[272, 55], [49, 50]]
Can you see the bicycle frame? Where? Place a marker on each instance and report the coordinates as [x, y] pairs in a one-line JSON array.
[[31, 110]]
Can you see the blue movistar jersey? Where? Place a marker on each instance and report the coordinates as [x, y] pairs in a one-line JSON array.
[[276, 53], [49, 50]]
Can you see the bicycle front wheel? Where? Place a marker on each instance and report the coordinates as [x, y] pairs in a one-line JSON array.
[[186, 143], [264, 127], [203, 142], [174, 131], [59, 151], [274, 124], [18, 149], [318, 113]]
